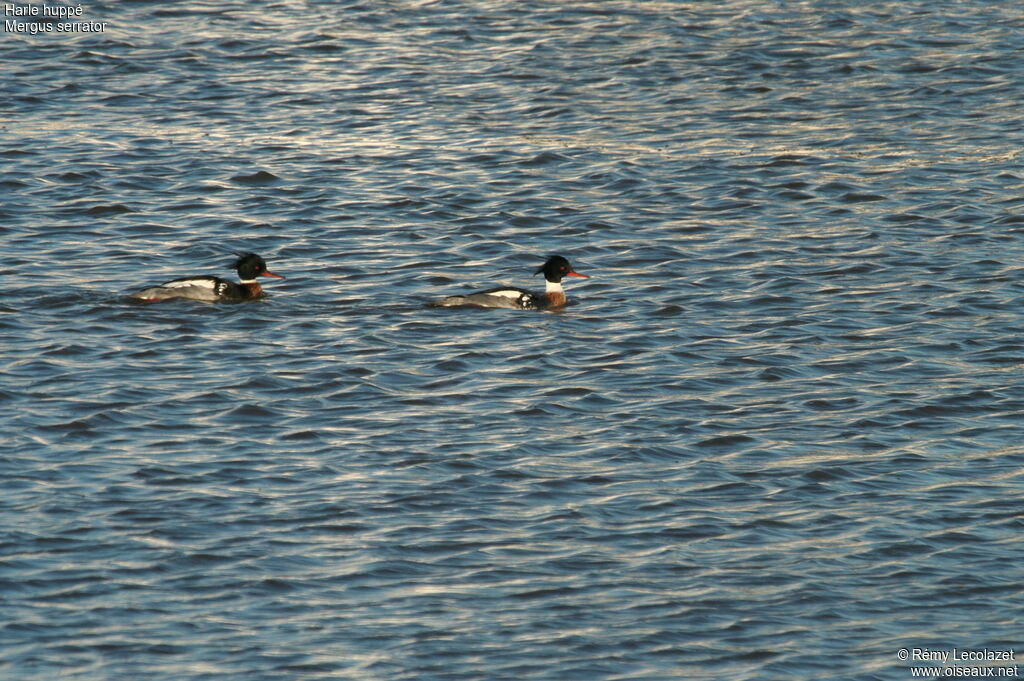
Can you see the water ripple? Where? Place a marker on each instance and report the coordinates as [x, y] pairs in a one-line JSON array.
[[773, 436]]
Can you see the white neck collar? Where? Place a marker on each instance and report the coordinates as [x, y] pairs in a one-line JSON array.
[[553, 286]]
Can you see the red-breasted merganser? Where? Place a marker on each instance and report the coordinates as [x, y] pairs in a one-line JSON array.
[[554, 269], [214, 289]]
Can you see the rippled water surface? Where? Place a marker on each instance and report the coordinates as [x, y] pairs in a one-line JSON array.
[[777, 435]]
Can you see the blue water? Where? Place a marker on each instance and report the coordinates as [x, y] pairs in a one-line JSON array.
[[777, 435]]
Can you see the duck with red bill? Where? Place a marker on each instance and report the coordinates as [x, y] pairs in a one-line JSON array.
[[212, 289], [554, 269]]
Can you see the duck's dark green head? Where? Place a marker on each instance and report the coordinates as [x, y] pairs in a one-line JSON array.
[[557, 267], [250, 266]]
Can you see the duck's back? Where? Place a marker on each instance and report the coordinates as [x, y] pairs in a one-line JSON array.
[[203, 287], [503, 296]]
